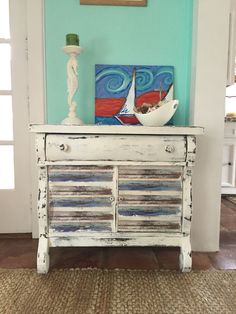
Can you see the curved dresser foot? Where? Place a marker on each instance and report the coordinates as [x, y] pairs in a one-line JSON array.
[[43, 255], [185, 257]]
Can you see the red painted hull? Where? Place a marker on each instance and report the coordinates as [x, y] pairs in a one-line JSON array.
[[111, 107], [128, 120]]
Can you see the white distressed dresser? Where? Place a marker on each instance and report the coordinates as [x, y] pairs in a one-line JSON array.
[[114, 186]]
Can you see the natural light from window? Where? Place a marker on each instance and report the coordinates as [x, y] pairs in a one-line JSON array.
[[6, 119], [5, 66], [7, 179], [6, 167], [4, 19]]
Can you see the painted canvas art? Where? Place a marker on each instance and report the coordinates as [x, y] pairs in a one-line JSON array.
[[121, 87]]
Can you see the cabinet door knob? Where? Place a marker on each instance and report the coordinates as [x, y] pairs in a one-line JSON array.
[[64, 147], [112, 198], [169, 148]]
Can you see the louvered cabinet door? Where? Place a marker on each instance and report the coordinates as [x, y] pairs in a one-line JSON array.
[[81, 199], [150, 199]]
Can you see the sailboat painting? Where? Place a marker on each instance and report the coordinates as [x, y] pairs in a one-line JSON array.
[[119, 88]]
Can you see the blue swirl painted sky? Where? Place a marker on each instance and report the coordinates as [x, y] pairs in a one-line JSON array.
[[113, 81]]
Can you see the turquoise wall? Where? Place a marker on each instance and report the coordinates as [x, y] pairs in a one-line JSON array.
[[159, 34]]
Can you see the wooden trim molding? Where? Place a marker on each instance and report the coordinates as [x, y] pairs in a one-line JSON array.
[[115, 2], [37, 96]]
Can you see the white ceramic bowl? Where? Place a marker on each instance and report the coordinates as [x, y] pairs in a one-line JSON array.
[[159, 116]]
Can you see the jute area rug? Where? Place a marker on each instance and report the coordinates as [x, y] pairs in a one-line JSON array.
[[94, 291]]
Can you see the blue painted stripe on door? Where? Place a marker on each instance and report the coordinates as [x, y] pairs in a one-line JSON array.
[[99, 227], [150, 185], [80, 202], [80, 177], [136, 211]]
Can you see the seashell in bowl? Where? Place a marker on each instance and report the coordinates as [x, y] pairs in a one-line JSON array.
[[159, 116]]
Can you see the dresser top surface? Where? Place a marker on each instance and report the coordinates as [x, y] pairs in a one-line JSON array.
[[116, 129]]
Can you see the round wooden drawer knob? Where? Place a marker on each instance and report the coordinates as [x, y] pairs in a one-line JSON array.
[[169, 148], [64, 147]]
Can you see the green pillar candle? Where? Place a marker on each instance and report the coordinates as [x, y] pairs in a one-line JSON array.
[[72, 39]]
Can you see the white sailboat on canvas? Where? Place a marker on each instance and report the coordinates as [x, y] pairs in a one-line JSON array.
[[126, 114]]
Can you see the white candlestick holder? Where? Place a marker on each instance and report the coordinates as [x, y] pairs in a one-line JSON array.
[[72, 84]]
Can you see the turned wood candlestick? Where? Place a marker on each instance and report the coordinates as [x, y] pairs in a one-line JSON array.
[[72, 84]]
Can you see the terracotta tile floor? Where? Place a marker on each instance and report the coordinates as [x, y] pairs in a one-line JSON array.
[[19, 251]]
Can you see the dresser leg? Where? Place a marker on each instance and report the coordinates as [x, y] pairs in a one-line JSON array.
[[185, 257], [43, 255]]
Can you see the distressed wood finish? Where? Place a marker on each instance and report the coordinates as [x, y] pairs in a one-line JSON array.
[[81, 198], [185, 257], [187, 201], [191, 151], [40, 148], [102, 147], [117, 129], [116, 240], [157, 202], [114, 163], [115, 186], [43, 248]]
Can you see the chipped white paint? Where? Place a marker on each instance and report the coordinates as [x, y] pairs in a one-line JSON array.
[[116, 129], [43, 248], [191, 150], [40, 148], [185, 257], [115, 163], [187, 185], [129, 240], [43, 255], [116, 235], [42, 201], [115, 186], [187, 201], [128, 148]]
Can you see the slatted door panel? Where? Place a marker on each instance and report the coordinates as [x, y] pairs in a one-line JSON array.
[[150, 199], [81, 198]]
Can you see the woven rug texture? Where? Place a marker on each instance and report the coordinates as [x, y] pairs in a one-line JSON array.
[[97, 291]]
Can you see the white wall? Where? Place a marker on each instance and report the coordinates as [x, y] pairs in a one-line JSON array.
[[232, 44], [210, 38]]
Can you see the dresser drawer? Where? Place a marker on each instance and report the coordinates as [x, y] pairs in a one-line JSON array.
[[115, 147]]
